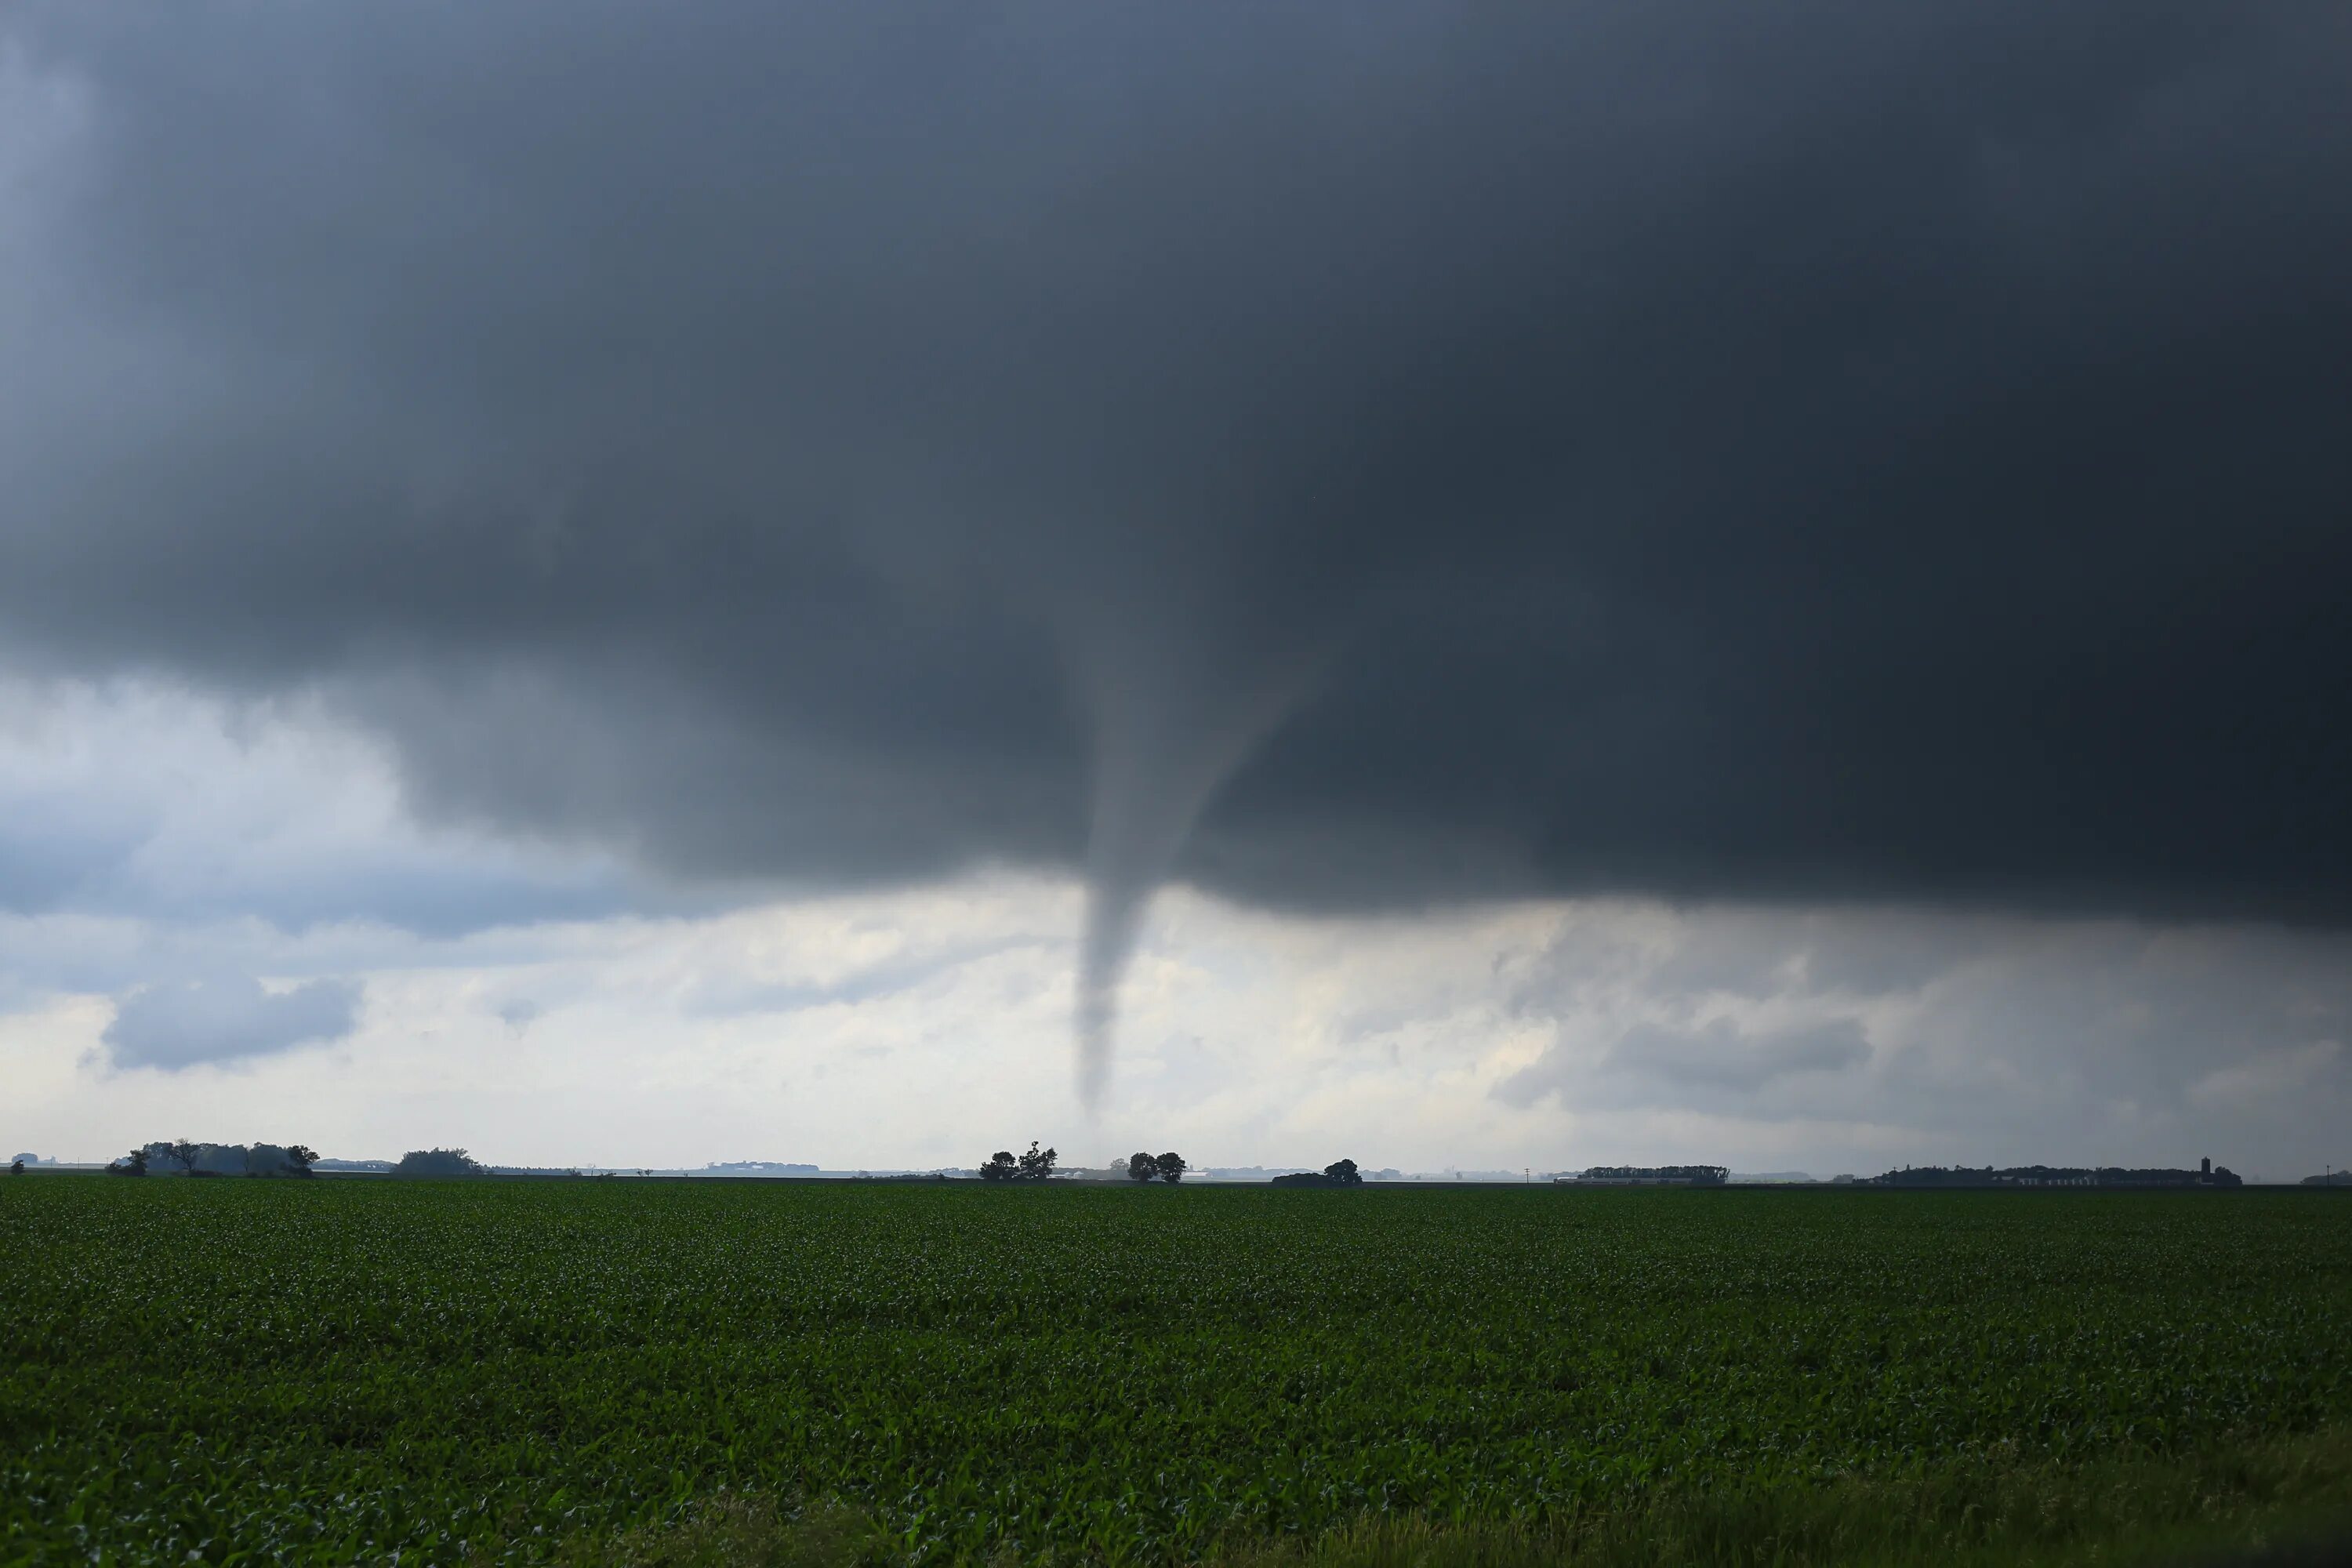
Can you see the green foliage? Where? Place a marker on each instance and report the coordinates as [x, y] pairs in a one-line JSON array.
[[2279, 1504], [1036, 1165], [437, 1163], [1169, 1167], [2286, 1500], [738, 1530], [331, 1371]]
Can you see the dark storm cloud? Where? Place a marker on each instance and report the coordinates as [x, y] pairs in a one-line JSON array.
[[1953, 1035], [1801, 451]]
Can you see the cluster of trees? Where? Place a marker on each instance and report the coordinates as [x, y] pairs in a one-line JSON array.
[[1169, 1167], [195, 1159], [1337, 1174], [1037, 1165], [1033, 1166], [440, 1162]]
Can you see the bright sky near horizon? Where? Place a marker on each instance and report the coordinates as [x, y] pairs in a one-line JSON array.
[[927, 1025]]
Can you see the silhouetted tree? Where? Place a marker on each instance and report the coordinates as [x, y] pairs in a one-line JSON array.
[[1172, 1167], [1036, 1167], [132, 1164], [1141, 1167], [301, 1156], [16, 1167], [184, 1154], [1001, 1167]]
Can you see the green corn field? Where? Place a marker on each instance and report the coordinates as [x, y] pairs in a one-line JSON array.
[[338, 1371]]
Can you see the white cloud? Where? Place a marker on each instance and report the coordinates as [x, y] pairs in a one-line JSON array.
[[153, 801]]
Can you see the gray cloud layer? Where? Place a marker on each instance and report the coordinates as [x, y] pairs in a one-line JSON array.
[[221, 1017], [1975, 1037], [1813, 451]]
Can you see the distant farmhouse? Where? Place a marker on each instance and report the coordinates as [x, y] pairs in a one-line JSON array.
[[2206, 1175], [1649, 1176]]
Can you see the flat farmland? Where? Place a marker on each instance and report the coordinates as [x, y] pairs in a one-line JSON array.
[[338, 1369]]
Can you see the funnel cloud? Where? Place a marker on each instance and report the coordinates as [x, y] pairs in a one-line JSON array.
[[1809, 454], [1166, 734]]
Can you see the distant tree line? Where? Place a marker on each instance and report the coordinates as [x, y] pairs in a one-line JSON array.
[[1337, 1174], [1655, 1175], [2208, 1175], [193, 1159], [187, 1157]]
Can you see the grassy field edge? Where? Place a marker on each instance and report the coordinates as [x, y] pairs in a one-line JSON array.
[[2282, 1501]]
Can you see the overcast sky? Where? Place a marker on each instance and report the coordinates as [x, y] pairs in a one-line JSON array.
[[669, 582]]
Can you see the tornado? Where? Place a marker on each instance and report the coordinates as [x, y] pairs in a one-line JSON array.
[[1168, 730]]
